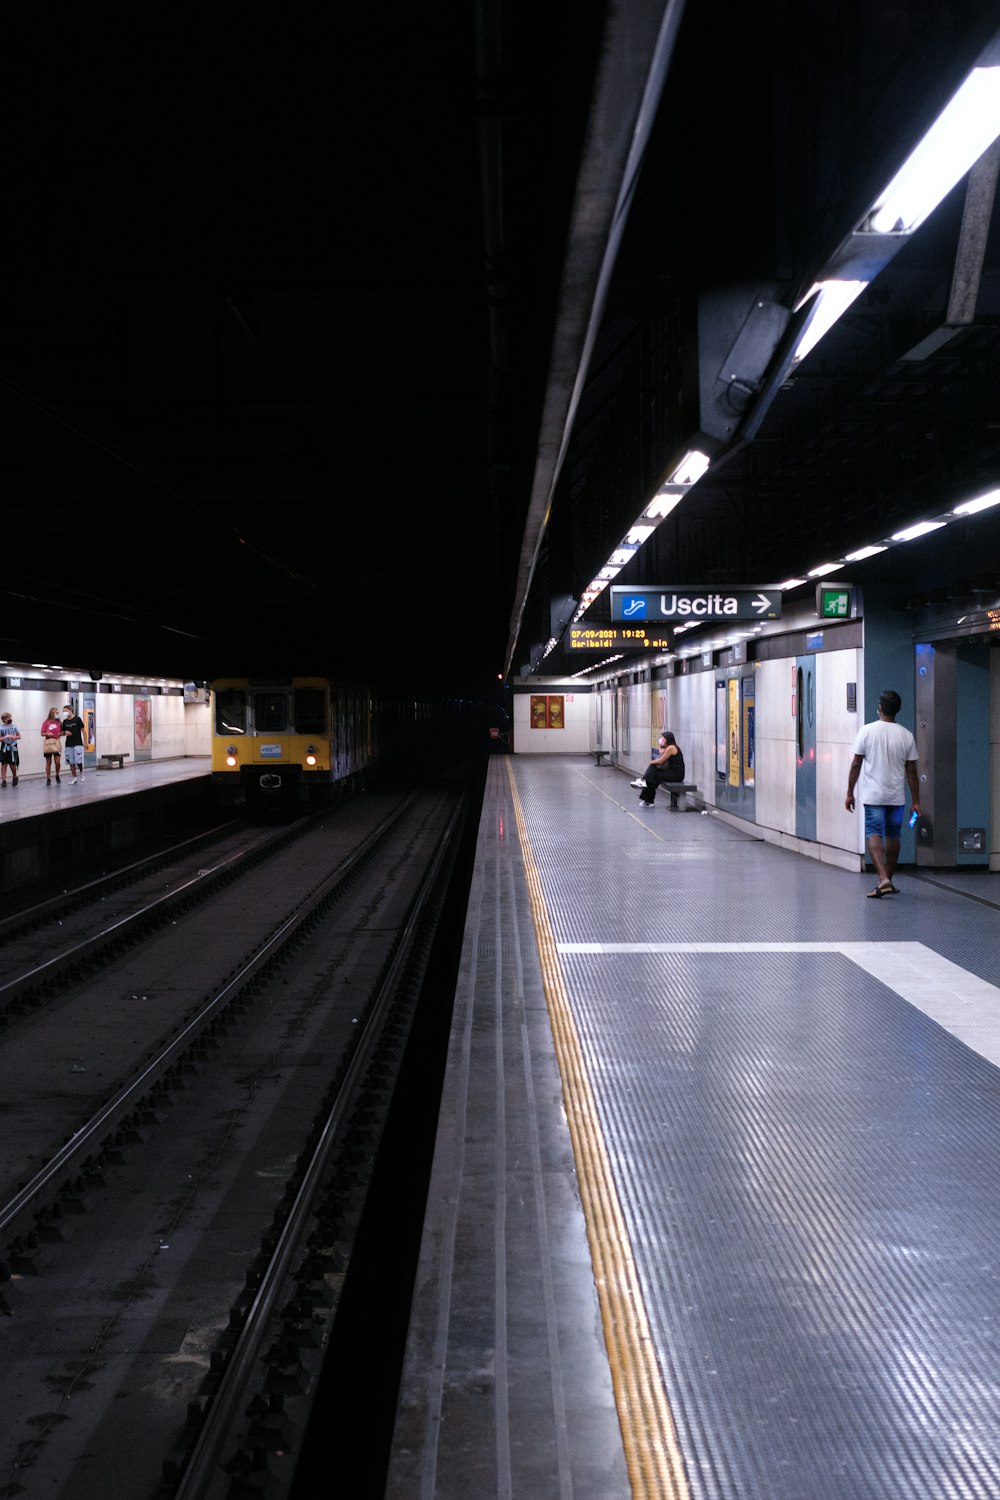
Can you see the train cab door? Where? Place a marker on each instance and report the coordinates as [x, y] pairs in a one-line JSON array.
[[804, 715], [271, 720]]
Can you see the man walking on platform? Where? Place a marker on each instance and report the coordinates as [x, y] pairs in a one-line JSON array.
[[885, 757], [73, 749]]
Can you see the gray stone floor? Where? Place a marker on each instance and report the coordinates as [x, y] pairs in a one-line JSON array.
[[796, 1095]]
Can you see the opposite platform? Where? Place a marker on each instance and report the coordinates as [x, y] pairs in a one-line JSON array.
[[52, 832], [34, 798], [714, 1209]]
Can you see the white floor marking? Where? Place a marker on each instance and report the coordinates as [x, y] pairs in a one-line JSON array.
[[959, 1001]]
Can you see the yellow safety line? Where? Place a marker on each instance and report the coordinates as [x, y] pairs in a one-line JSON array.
[[652, 1453]]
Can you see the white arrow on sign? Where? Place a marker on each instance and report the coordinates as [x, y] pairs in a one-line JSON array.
[[761, 603]]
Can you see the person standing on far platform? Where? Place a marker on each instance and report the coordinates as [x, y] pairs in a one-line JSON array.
[[9, 758], [885, 757], [73, 752], [52, 745]]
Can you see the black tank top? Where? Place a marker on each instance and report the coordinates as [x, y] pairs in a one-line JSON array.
[[675, 767]]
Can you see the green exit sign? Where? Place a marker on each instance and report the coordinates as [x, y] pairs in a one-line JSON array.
[[833, 603]]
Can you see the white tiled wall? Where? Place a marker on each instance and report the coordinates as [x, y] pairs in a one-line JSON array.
[[178, 729], [575, 738], [775, 778]]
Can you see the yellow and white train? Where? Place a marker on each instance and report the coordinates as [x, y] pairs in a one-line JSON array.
[[292, 740]]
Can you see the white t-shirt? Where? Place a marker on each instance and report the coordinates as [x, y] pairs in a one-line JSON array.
[[886, 748]]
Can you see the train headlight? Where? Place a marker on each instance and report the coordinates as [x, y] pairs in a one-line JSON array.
[[310, 755], [231, 756]]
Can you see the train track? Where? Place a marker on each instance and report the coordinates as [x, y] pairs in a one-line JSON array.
[[253, 1117], [45, 948]]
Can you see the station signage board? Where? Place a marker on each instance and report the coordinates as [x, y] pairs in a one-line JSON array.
[[618, 638], [693, 604]]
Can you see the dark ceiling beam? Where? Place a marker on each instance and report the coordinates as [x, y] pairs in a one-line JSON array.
[[637, 46]]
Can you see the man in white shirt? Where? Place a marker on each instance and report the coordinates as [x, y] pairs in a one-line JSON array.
[[885, 757]]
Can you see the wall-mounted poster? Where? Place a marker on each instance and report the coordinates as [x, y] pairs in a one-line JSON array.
[[734, 732], [548, 712], [749, 752], [143, 729]]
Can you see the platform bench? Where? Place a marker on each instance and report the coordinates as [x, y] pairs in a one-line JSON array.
[[599, 757], [677, 789], [107, 761]]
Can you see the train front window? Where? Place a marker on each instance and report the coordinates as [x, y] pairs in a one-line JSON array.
[[231, 711], [270, 713], [310, 711]]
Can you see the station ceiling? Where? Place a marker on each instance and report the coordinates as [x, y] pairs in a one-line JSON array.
[[356, 344]]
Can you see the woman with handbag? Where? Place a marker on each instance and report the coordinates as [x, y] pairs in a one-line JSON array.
[[52, 732]]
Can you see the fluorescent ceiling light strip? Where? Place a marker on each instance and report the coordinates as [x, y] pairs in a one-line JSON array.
[[921, 528], [661, 505], [973, 507], [834, 298], [864, 552], [691, 468], [824, 569], [968, 124]]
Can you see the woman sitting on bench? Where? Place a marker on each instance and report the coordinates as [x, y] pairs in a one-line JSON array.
[[668, 766]]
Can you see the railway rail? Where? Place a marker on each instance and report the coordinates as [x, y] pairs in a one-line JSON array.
[[270, 1089]]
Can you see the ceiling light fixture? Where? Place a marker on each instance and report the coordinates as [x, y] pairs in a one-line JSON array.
[[965, 128], [864, 552], [921, 528], [973, 507], [961, 133], [691, 468], [833, 298], [824, 569], [597, 665], [662, 503]]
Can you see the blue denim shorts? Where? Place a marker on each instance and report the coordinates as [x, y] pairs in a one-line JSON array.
[[882, 821]]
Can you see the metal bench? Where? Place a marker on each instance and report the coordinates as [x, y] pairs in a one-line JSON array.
[[599, 757], [107, 761], [677, 789]]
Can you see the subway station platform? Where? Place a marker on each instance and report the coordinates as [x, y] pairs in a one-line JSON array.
[[715, 1208], [46, 827]]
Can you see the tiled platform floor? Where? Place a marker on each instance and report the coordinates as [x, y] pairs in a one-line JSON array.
[[715, 1209]]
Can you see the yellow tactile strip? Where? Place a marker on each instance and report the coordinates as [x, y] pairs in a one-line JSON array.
[[655, 1466]]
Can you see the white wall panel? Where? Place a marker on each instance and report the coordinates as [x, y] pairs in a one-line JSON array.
[[837, 728], [575, 738]]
